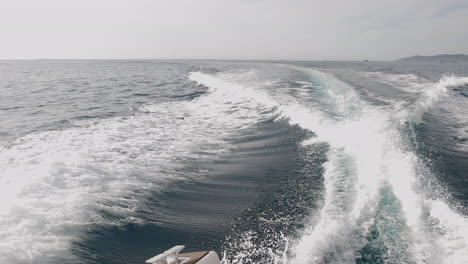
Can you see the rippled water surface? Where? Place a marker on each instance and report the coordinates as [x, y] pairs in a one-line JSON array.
[[278, 162]]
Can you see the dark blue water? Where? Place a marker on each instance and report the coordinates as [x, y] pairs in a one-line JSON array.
[[298, 162]]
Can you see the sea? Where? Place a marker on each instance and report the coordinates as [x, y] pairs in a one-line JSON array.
[[262, 161]]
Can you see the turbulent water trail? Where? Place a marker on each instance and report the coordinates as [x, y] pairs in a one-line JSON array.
[[58, 184], [372, 209], [381, 155]]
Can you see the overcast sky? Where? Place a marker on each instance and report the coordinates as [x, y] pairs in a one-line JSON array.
[[232, 29]]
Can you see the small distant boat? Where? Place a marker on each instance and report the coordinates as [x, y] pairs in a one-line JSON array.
[[173, 256]]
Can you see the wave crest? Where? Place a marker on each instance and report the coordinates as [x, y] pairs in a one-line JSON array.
[[432, 95]]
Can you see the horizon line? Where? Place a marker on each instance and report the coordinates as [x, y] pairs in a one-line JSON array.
[[182, 59]]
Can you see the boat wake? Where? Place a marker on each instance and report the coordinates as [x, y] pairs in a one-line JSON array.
[[374, 206], [58, 185], [374, 209]]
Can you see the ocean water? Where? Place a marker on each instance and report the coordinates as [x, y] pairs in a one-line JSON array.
[[264, 162]]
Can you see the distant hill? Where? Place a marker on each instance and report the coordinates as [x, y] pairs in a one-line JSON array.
[[437, 58]]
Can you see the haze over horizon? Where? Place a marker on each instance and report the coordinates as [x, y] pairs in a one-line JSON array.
[[244, 29]]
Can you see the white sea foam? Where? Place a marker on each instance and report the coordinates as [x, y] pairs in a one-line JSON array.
[[363, 136], [366, 154], [433, 94], [451, 230], [380, 148], [342, 189], [428, 93], [55, 184], [430, 96]]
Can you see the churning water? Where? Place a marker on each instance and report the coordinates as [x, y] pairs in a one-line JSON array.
[[312, 162]]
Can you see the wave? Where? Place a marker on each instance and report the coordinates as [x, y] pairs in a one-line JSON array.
[[58, 184], [368, 164], [441, 98], [433, 94], [428, 93]]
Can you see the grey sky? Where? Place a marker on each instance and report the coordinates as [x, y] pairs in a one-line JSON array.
[[231, 29]]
